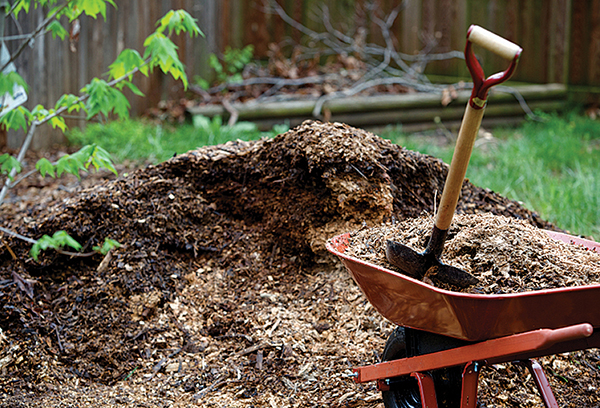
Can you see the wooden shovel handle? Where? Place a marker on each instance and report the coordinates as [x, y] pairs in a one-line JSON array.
[[458, 166], [473, 115]]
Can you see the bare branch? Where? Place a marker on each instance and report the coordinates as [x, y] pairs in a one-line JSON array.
[[372, 83], [329, 27], [17, 235]]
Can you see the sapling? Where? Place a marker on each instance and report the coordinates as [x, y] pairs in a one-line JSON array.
[[100, 97]]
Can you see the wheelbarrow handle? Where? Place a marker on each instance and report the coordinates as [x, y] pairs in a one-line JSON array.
[[473, 115]]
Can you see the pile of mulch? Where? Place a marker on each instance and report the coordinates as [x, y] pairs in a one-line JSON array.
[[222, 293], [504, 254]]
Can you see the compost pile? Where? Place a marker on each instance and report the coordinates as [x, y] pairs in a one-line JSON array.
[[222, 293], [506, 255]]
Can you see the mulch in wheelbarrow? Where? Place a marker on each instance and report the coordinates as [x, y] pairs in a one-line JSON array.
[[222, 293], [506, 255]]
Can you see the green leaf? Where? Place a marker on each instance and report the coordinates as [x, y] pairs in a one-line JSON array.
[[134, 89], [57, 30], [73, 163], [235, 79], [126, 62], [105, 99], [9, 162], [120, 104], [58, 122], [64, 239], [107, 246], [100, 158], [9, 82], [59, 240], [39, 112], [214, 63], [90, 7], [45, 167], [71, 102], [163, 53], [21, 5], [42, 114], [37, 247], [81, 160], [178, 21], [202, 83], [18, 118]]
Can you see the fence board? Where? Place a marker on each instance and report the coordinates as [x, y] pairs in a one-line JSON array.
[[594, 48]]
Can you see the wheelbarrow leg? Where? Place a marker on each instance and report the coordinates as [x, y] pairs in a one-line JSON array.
[[542, 383], [426, 389], [470, 380]]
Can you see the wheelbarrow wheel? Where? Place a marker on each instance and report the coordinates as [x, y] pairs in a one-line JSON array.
[[404, 391]]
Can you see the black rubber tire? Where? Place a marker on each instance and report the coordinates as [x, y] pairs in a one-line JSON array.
[[404, 392]]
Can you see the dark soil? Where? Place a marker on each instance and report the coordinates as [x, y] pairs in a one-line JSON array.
[[222, 293]]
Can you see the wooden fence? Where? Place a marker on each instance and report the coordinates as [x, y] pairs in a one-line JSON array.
[[541, 27], [52, 68], [561, 39]]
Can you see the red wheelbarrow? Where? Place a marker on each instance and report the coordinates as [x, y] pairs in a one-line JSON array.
[[433, 358]]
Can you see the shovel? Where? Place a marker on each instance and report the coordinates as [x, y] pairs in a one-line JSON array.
[[428, 262]]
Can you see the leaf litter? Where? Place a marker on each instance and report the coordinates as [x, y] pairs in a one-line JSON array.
[[222, 293]]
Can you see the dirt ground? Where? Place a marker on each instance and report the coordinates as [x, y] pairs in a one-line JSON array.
[[222, 293]]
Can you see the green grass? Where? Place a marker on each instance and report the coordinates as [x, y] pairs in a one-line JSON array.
[[138, 140], [552, 167]]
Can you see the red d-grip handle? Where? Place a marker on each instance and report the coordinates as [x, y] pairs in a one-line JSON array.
[[499, 46]]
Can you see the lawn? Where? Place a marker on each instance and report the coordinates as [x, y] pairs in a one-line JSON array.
[[552, 166], [142, 141]]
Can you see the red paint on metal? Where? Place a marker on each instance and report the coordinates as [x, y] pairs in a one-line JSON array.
[[469, 385], [542, 383], [382, 385], [504, 348], [481, 85], [409, 302], [426, 389]]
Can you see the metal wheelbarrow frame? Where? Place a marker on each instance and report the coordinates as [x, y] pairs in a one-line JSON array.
[[495, 328], [469, 330]]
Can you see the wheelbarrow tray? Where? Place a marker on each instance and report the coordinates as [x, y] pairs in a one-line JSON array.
[[474, 317]]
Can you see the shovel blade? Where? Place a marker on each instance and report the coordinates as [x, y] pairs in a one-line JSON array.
[[452, 275], [416, 265], [406, 259]]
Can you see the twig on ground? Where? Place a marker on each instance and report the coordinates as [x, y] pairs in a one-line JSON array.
[[217, 384], [60, 346], [385, 65], [26, 285], [9, 249]]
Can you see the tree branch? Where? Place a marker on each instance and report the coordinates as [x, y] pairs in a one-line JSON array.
[[36, 122], [17, 235], [34, 34]]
